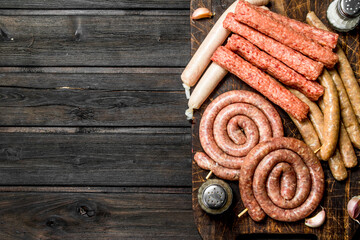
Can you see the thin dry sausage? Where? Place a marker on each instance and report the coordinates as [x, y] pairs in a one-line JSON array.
[[322, 36], [247, 14], [274, 67], [261, 82], [295, 60]]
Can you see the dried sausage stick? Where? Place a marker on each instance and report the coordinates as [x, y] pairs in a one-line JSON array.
[[247, 14], [201, 58], [322, 36], [274, 67], [331, 116], [295, 60], [280, 150], [253, 107], [203, 161], [344, 69], [260, 82]]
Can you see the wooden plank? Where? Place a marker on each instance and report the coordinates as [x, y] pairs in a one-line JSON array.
[[91, 4], [92, 97], [92, 78], [229, 226], [129, 214], [95, 156], [94, 38]]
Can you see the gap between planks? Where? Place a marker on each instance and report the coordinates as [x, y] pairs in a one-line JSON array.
[[139, 12], [59, 189], [104, 130]]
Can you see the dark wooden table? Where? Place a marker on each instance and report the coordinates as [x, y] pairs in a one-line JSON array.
[[94, 143]]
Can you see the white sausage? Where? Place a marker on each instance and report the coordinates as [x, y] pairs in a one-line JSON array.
[[201, 58], [208, 82]]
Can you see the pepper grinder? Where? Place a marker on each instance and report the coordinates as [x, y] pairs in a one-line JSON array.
[[344, 15], [215, 196]]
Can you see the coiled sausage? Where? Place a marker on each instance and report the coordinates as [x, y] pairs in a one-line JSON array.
[[259, 164]]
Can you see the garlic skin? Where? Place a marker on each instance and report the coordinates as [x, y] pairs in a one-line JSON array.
[[317, 220], [201, 13], [353, 208]]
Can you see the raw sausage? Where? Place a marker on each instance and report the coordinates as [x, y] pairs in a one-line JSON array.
[[322, 36], [274, 67], [346, 150], [261, 82], [258, 118], [331, 116], [346, 111], [247, 14], [208, 82], [203, 161], [308, 133], [295, 60], [201, 58], [344, 68], [256, 168], [336, 162]]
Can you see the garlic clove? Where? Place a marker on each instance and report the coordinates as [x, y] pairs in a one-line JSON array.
[[353, 208], [201, 13], [317, 220]]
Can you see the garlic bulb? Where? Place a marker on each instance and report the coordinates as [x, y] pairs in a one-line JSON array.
[[317, 220], [353, 208]]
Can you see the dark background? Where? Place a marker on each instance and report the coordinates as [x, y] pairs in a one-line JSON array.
[[94, 143]]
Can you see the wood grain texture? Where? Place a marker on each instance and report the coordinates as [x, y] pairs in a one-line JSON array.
[[228, 226], [97, 97], [95, 156], [91, 4], [94, 38], [126, 214]]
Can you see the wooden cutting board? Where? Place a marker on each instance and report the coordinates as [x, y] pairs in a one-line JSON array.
[[227, 226]]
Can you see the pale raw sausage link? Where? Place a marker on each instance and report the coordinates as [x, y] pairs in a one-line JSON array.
[[201, 58], [203, 161], [229, 100], [295, 60], [247, 14], [247, 179], [344, 68], [331, 116], [261, 82], [308, 133], [274, 67], [347, 112]]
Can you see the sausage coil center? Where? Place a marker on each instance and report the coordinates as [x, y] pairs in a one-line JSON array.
[[281, 178]]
